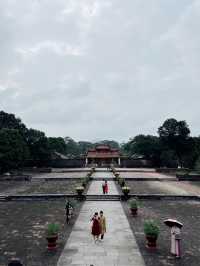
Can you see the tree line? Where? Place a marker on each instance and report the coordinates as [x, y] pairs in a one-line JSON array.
[[172, 147], [19, 143]]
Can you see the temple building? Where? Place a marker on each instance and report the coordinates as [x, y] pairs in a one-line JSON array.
[[103, 156]]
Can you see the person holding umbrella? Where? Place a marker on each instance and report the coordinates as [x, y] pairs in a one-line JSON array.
[[175, 236]]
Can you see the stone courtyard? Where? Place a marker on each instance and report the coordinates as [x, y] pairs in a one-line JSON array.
[[25, 221]]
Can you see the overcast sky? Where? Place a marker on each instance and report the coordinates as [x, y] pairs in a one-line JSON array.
[[100, 69]]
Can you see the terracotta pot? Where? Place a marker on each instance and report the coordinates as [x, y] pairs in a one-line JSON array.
[[134, 211], [52, 242], [151, 241]]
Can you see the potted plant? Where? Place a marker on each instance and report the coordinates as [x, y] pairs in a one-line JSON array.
[[88, 175], [80, 190], [126, 190], [84, 182], [122, 182], [133, 203], [151, 230], [52, 235]]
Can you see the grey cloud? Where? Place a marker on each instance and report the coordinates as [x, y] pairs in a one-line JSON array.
[[97, 69]]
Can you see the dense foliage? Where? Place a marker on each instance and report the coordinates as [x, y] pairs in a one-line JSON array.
[[13, 149], [18, 143], [171, 148]]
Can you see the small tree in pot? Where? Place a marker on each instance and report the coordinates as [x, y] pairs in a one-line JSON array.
[[122, 182], [80, 190], [52, 235], [84, 182], [151, 230], [126, 190], [133, 203]]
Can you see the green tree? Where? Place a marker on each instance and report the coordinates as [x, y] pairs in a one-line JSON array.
[[72, 148], [13, 149], [112, 143], [57, 144], [38, 145], [175, 136], [83, 147], [168, 158], [9, 121], [145, 145]]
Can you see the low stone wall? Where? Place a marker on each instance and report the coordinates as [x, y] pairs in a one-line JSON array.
[[79, 162], [135, 163], [15, 178], [37, 170], [68, 163], [188, 177], [55, 163], [171, 170]]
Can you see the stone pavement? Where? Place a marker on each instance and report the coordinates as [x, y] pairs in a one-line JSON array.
[[60, 175], [102, 175], [119, 248], [146, 175]]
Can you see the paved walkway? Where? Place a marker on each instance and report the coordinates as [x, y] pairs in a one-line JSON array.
[[119, 247], [102, 175]]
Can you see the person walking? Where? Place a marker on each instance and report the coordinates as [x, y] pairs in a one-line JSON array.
[[96, 228], [103, 186], [102, 220], [106, 187]]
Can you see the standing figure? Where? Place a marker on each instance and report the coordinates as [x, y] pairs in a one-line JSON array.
[[106, 187], [175, 241], [96, 228], [69, 211], [103, 186], [102, 224], [175, 226]]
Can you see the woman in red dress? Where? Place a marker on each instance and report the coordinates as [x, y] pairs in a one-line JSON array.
[[96, 228]]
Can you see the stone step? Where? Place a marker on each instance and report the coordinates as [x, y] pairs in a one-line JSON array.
[[102, 178], [3, 197], [103, 197]]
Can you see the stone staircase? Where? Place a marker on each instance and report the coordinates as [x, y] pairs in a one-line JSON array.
[[102, 197], [3, 197]]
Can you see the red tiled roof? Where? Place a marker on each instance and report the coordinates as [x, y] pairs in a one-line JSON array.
[[103, 147], [103, 151], [109, 154]]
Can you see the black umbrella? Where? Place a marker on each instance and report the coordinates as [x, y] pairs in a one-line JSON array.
[[173, 222]]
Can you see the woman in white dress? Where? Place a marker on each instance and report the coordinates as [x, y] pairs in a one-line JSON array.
[[175, 241]]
